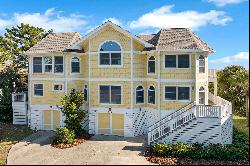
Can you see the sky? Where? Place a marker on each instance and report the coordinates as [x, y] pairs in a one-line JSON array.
[[223, 24]]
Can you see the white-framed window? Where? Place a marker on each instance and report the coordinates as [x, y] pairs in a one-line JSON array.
[[139, 95], [48, 65], [58, 66], [151, 65], [151, 95], [174, 93], [38, 89], [110, 94], [201, 64], [37, 64], [177, 61], [58, 87], [85, 92], [201, 95], [75, 65], [110, 54]]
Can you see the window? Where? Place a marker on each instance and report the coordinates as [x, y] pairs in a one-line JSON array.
[[47, 64], [183, 61], [170, 93], [202, 95], [58, 68], [201, 64], [58, 87], [139, 95], [183, 93], [151, 95], [75, 65], [37, 65], [38, 89], [170, 61], [110, 54], [177, 61], [151, 65], [110, 94], [85, 93], [174, 93]]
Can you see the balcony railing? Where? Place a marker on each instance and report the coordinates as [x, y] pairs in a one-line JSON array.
[[212, 73]]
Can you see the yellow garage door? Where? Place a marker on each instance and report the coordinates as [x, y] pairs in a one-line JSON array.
[[118, 124], [104, 123], [51, 119]]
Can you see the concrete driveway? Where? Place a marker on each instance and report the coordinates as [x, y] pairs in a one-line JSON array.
[[100, 150]]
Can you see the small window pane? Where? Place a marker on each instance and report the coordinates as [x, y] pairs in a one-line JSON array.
[[151, 65], [201, 69], [104, 94], [48, 64], [75, 65], [170, 93], [38, 89], [85, 94], [58, 87], [115, 58], [37, 65], [151, 95], [115, 94], [110, 46], [183, 61], [104, 59], [170, 61], [183, 93], [139, 95], [58, 68], [201, 97]]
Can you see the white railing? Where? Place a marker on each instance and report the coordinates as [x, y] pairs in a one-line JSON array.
[[19, 106], [171, 122], [208, 111], [212, 73]]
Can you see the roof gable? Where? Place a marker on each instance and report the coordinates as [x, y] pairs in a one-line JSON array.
[[77, 45]]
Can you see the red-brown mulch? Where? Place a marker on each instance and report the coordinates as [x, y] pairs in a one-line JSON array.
[[78, 140], [189, 161]]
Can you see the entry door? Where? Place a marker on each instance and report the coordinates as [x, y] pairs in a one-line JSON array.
[[111, 124]]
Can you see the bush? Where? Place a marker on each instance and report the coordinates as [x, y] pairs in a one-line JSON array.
[[238, 150], [64, 135]]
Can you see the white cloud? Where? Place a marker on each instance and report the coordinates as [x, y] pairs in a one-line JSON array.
[[50, 19], [221, 3], [164, 17], [241, 58], [114, 20]]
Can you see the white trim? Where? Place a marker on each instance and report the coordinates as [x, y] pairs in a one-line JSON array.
[[80, 71], [176, 57], [131, 73], [53, 87], [159, 84], [177, 86], [78, 44], [110, 93], [34, 90], [109, 52], [135, 96]]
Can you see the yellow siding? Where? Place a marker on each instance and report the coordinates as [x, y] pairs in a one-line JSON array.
[[118, 124], [103, 123], [47, 119], [140, 65], [56, 119]]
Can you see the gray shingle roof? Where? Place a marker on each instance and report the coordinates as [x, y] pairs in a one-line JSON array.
[[55, 42], [177, 39]]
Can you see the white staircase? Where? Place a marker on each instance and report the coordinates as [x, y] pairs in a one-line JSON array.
[[139, 123], [194, 124]]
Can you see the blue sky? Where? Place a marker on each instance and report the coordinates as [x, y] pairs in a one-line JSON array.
[[223, 24]]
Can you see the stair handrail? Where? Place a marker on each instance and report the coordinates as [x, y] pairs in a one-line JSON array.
[[171, 114]]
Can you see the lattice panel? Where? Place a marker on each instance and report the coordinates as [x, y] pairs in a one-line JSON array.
[[227, 131]]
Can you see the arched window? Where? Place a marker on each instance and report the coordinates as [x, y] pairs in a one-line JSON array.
[[85, 92], [202, 95], [151, 65], [139, 95], [75, 65], [110, 53], [151, 95], [201, 64]]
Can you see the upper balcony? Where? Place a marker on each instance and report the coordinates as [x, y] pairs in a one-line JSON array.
[[212, 75]]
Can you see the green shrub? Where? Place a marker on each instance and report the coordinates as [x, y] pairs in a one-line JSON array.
[[238, 150], [65, 135]]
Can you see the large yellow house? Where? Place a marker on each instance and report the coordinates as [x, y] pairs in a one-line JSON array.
[[133, 85]]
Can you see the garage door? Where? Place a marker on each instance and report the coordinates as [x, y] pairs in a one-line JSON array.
[[111, 124], [51, 119]]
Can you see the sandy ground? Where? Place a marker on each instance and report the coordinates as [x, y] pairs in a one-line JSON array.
[[99, 150]]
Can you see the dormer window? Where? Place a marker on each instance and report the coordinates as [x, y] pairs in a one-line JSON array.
[[110, 54]]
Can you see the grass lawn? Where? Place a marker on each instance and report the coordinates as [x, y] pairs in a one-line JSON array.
[[241, 124], [9, 135]]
